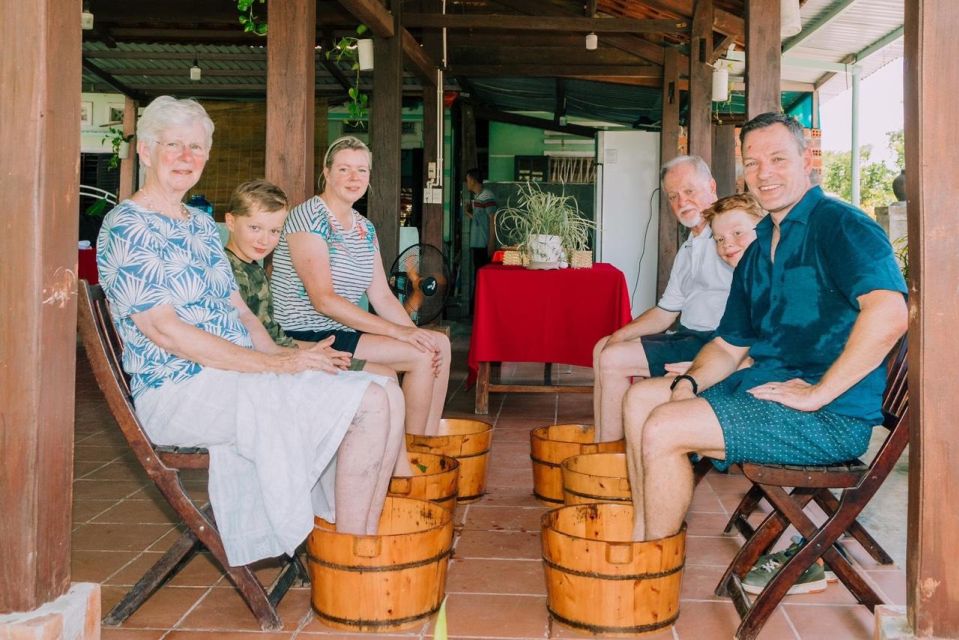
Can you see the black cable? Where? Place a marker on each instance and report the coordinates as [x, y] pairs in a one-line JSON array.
[[639, 267]]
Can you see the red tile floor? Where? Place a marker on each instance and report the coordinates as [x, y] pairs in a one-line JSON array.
[[495, 585]]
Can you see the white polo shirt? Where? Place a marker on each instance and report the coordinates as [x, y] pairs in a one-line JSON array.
[[698, 283]]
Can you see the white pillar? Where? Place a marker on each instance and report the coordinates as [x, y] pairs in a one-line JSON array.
[[854, 173]]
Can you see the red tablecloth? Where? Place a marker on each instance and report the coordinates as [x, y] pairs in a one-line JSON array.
[[526, 315], [87, 266]]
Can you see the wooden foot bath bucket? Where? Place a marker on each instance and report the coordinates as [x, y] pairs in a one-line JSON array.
[[550, 445], [599, 581], [434, 479], [596, 477], [466, 440], [393, 580]]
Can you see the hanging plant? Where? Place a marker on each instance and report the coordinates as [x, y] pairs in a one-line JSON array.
[[119, 143], [250, 21], [346, 50]]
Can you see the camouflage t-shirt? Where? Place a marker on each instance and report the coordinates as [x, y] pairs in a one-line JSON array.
[[255, 289]]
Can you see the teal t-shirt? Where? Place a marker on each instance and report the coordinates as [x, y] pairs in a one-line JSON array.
[[795, 314]]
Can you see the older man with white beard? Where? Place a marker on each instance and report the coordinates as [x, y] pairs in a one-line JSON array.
[[696, 294]]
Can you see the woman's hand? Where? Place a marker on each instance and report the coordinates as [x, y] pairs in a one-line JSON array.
[[424, 340], [318, 357]]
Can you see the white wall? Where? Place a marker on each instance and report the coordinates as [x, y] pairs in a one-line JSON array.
[[97, 107]]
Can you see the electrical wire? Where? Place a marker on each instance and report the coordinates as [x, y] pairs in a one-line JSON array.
[[639, 267]]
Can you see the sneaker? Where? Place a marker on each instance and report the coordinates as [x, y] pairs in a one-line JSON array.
[[812, 580]]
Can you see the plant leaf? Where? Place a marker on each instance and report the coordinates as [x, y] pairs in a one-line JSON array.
[[439, 630], [361, 29]]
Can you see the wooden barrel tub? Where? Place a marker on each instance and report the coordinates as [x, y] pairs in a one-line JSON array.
[[596, 477], [434, 479], [466, 440], [552, 444]]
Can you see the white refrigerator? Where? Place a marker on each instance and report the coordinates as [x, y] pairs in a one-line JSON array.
[[627, 210]]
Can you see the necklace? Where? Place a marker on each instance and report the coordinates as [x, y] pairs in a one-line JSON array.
[[177, 211]]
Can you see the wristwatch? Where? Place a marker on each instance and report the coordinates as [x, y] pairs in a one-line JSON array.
[[684, 376]]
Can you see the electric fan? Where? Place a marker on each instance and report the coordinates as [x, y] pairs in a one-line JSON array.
[[420, 279]]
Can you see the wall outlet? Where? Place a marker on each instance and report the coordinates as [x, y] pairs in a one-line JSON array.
[[432, 195]]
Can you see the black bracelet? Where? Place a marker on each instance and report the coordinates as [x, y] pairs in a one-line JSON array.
[[684, 376]]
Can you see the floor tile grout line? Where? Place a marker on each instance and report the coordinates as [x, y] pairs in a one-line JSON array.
[[789, 622]]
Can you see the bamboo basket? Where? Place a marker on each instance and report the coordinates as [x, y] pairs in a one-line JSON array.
[[385, 582], [434, 479], [515, 258], [466, 440], [581, 259], [596, 477], [550, 445], [599, 581]]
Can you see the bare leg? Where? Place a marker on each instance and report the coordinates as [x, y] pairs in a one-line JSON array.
[[618, 362], [423, 390], [380, 370], [641, 399], [397, 433], [363, 464], [598, 388], [672, 431]]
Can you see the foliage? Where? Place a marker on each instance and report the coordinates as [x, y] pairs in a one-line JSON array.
[[541, 213], [251, 23], [900, 247], [875, 178], [116, 138], [897, 144], [345, 50]]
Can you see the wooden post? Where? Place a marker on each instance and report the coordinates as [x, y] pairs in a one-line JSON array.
[[724, 159], [467, 160], [40, 116], [385, 134], [701, 82], [931, 82], [290, 88], [128, 165], [669, 236], [431, 227], [763, 57]]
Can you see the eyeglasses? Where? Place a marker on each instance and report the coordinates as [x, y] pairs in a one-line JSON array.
[[177, 147]]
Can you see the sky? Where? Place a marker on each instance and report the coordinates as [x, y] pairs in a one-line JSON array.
[[880, 111]]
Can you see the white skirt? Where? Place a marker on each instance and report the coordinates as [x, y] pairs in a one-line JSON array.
[[272, 440]]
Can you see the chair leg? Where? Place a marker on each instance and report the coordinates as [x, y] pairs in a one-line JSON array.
[[164, 568], [830, 504], [700, 469], [746, 506], [765, 536]]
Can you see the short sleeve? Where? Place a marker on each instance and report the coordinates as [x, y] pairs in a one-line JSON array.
[[673, 297], [859, 258], [304, 218]]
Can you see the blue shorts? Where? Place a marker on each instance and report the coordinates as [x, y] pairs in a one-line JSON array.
[[343, 341], [767, 432], [681, 346]]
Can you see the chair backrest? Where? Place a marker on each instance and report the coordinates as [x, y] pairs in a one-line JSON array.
[[104, 350], [895, 410]]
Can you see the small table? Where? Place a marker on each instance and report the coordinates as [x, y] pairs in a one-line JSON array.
[[87, 265], [527, 315]]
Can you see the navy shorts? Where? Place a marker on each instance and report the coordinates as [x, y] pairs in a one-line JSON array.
[[767, 432], [343, 341], [664, 348]]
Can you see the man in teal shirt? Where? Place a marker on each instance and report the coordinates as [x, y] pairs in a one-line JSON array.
[[817, 302]]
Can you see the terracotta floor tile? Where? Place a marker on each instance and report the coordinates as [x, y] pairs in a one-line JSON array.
[[83, 469], [200, 571], [513, 434], [123, 537], [559, 630], [499, 544], [96, 566], [893, 584], [512, 422], [705, 523], [121, 633], [105, 489], [502, 497], [496, 576], [713, 550], [510, 454], [708, 620], [494, 616], [120, 470], [705, 500], [863, 559], [504, 518], [699, 580], [224, 608], [851, 622], [728, 483], [227, 635], [139, 512], [84, 510], [165, 607], [316, 629], [515, 480]]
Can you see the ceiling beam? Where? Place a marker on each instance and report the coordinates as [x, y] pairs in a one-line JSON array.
[[255, 55], [122, 87], [864, 53], [557, 70], [529, 121], [373, 14], [817, 23], [423, 65], [543, 23], [726, 23]]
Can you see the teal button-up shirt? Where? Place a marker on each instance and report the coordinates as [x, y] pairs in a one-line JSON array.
[[795, 314]]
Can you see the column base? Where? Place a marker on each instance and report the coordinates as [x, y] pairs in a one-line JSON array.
[[73, 616], [891, 623]]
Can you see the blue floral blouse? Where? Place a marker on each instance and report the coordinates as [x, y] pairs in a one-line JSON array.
[[146, 259]]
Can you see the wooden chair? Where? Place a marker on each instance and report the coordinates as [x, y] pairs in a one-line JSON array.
[[789, 489], [163, 465]]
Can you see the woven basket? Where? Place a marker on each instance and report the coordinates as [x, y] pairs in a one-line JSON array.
[[581, 259], [515, 258]]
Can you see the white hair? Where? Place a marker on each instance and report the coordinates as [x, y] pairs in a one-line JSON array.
[[166, 112], [698, 163]]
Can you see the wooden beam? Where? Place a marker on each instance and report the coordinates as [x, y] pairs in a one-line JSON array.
[[701, 82], [931, 82], [655, 83], [423, 66], [122, 87], [40, 112], [726, 23], [290, 101], [128, 165], [486, 113], [669, 236], [432, 219], [543, 23], [723, 163], [385, 137], [763, 57], [373, 14], [544, 70]]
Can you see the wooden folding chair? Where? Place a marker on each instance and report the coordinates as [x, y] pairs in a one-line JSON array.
[[789, 489], [163, 465]]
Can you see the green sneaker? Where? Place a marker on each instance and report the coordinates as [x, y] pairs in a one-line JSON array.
[[812, 580]]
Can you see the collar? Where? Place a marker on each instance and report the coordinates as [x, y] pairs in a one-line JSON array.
[[799, 213], [705, 234]]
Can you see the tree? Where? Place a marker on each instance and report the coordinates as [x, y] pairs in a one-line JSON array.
[[897, 144], [875, 178]]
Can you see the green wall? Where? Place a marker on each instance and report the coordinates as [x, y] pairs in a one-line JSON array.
[[507, 141]]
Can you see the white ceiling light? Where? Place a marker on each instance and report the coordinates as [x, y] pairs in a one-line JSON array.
[[790, 21], [195, 71], [592, 41], [720, 82], [86, 18]]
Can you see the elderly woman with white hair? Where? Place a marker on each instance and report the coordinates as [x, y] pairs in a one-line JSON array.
[[290, 432]]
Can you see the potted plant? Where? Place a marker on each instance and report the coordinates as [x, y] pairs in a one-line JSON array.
[[548, 228], [119, 143], [354, 51]]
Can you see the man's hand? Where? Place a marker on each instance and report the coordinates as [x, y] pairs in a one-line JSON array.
[[674, 369], [795, 394]]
